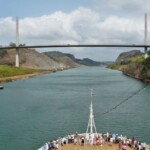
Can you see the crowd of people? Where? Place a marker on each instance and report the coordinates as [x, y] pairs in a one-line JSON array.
[[96, 139]]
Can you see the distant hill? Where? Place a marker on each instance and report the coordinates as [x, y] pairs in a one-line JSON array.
[[89, 62], [53, 60], [125, 55], [70, 60], [67, 60], [29, 58]]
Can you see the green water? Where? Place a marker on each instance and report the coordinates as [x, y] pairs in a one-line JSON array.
[[36, 110]]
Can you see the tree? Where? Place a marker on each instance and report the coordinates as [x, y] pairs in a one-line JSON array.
[[148, 52], [12, 44]]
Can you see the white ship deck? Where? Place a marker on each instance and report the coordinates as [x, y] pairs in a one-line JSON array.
[[106, 146]]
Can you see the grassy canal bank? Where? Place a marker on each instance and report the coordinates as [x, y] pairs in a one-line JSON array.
[[10, 73]]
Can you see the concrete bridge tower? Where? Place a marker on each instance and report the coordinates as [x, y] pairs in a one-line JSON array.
[[145, 40], [17, 42]]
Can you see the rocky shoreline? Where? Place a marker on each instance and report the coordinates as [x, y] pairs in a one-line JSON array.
[[135, 77], [131, 75], [14, 78]]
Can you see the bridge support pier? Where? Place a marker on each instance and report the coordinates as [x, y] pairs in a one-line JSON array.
[[145, 48], [17, 57], [145, 52], [17, 42]]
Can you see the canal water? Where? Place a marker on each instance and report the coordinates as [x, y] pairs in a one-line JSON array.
[[45, 107]]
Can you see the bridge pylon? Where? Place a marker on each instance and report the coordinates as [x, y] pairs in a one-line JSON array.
[[145, 40], [17, 42]]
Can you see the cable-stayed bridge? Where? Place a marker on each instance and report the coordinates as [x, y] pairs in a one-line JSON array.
[[78, 45], [17, 46]]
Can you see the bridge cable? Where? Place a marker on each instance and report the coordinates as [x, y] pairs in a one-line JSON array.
[[122, 102]]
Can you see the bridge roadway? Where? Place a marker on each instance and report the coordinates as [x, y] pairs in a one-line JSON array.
[[77, 45]]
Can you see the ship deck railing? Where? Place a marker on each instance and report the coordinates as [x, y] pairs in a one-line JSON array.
[[111, 144]]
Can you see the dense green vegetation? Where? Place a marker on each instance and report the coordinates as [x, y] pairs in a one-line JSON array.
[[8, 71], [114, 65], [137, 59], [128, 61], [146, 68], [137, 67], [148, 52]]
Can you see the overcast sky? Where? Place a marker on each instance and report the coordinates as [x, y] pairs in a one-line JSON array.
[[75, 22]]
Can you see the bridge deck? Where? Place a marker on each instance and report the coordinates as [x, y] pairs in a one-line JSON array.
[[79, 45]]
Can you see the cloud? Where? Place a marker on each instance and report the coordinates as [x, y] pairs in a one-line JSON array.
[[81, 26], [128, 8], [6, 25], [128, 4]]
